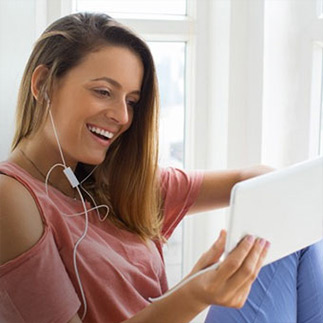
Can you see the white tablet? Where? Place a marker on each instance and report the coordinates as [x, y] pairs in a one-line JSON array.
[[284, 207]]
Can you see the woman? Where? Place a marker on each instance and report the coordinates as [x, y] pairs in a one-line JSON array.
[[88, 105]]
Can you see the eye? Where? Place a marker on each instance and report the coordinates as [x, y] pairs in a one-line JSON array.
[[132, 103], [102, 92]]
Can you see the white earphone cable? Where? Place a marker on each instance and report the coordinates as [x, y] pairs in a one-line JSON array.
[[73, 180], [56, 135]]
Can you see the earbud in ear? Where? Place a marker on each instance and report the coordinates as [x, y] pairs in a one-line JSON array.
[[46, 97]]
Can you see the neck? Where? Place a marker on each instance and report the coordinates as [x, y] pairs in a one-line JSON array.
[[38, 162]]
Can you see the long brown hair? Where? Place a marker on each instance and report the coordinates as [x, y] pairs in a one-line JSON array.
[[127, 179]]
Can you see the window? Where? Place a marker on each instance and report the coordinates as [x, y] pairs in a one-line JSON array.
[[168, 46], [130, 7]]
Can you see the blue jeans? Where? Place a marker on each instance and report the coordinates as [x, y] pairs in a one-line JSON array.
[[287, 291]]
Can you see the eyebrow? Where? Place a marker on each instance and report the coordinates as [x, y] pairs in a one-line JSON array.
[[114, 83]]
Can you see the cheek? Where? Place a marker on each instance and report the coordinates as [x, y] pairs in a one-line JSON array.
[[69, 126]]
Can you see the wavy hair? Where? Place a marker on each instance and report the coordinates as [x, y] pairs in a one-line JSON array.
[[127, 179]]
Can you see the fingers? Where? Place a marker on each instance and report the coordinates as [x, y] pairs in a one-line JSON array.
[[242, 292], [230, 284], [251, 265], [236, 258], [239, 270]]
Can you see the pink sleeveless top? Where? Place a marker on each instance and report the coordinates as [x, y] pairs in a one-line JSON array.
[[118, 272]]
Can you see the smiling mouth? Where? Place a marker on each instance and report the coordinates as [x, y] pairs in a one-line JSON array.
[[101, 133]]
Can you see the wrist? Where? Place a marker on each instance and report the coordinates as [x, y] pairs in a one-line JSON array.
[[196, 293]]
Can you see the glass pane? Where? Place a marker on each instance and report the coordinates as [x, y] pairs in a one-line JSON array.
[[320, 9], [160, 7], [321, 128], [169, 58], [170, 63]]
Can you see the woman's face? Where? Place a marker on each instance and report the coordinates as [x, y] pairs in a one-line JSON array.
[[93, 103]]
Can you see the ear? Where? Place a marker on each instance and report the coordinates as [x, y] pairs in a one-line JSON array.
[[38, 79]]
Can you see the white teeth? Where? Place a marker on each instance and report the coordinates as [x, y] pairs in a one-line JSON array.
[[101, 132]]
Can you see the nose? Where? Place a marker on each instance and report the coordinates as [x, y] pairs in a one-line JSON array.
[[119, 112]]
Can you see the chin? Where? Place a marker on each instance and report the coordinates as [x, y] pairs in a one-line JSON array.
[[94, 160]]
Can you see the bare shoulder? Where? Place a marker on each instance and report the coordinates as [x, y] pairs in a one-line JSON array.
[[20, 221]]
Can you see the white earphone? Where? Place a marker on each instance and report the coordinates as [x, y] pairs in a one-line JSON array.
[[47, 98]]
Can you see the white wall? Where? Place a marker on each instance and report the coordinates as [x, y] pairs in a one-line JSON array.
[[245, 83], [17, 34], [291, 29]]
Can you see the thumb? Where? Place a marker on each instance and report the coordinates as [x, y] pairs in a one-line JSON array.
[[217, 249], [212, 255]]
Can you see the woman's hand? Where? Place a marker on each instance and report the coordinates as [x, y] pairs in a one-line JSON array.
[[230, 283]]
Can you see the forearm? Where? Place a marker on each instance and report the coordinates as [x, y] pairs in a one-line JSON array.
[[179, 307]]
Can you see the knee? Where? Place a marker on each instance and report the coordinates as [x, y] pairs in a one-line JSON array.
[[314, 251]]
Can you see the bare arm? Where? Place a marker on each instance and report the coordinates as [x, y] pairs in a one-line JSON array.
[[217, 185], [21, 226], [20, 222]]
